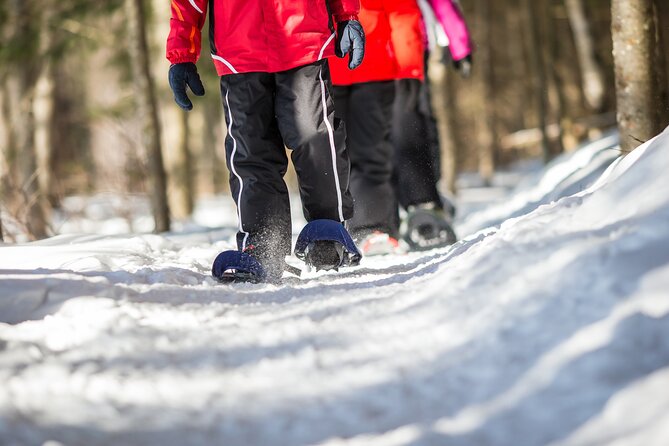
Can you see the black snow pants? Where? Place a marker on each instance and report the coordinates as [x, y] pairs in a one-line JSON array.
[[265, 113], [416, 142], [366, 109]]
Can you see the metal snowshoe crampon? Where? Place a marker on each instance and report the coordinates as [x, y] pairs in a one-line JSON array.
[[326, 245], [426, 227]]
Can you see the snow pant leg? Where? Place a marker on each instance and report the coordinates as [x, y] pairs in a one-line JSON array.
[[257, 161], [431, 129], [366, 110], [414, 169], [305, 112]]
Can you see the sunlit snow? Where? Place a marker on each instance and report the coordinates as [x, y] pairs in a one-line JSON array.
[[547, 324]]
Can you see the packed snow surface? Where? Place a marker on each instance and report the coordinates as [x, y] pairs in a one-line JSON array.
[[548, 328]]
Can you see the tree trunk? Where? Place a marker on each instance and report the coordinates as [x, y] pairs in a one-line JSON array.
[[565, 87], [4, 142], [516, 52], [7, 144], [633, 33], [44, 107], [30, 209], [148, 111], [540, 82], [183, 181], [661, 14], [550, 52], [486, 126], [27, 202], [443, 103], [213, 137], [4, 146], [592, 75]]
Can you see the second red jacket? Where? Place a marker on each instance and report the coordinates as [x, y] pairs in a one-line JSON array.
[[257, 35], [394, 44]]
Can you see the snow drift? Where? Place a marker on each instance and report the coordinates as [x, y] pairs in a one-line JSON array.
[[568, 174], [550, 328]]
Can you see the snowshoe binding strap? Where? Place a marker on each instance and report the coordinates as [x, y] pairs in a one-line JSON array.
[[326, 244]]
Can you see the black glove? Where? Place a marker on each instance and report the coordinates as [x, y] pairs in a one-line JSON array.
[[350, 39], [180, 75], [464, 66]]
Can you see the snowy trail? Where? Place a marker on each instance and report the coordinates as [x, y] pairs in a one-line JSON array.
[[549, 329]]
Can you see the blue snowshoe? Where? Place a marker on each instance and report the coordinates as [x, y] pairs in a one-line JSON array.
[[237, 266], [326, 245], [241, 266]]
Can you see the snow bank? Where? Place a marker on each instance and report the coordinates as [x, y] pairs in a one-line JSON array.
[[550, 328], [566, 175]]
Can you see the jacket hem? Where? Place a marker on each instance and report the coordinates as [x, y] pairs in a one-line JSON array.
[[258, 67]]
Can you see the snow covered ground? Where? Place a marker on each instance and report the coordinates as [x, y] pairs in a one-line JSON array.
[[547, 328]]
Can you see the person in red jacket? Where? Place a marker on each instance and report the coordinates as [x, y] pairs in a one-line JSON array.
[[391, 133], [275, 86], [364, 100]]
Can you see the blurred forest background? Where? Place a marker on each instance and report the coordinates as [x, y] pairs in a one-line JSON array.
[[85, 107]]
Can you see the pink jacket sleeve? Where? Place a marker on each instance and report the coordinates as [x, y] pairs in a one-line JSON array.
[[450, 18]]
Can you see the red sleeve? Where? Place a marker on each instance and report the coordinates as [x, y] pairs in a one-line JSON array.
[[344, 9], [185, 39], [406, 36]]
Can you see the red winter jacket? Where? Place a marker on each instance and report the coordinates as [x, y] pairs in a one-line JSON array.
[[257, 35], [394, 44]]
